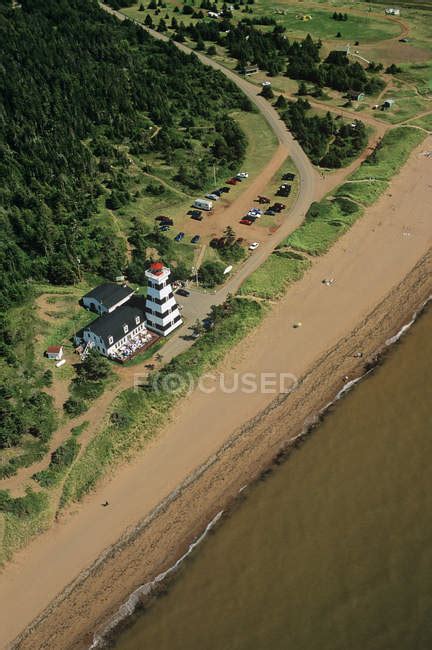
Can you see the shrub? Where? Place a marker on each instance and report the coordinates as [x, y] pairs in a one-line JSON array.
[[74, 407], [211, 273], [31, 504], [61, 459]]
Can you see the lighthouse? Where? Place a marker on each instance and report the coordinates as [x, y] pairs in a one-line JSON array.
[[162, 312]]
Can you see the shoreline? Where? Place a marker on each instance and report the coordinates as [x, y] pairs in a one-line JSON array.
[[249, 452], [142, 597]]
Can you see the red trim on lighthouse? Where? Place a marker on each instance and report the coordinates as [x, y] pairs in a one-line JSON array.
[[156, 268]]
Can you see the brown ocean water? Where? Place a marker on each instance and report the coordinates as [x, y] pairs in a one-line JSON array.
[[334, 550]]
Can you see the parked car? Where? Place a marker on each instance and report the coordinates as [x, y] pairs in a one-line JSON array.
[[288, 177], [263, 200], [253, 246], [197, 217], [280, 206], [242, 175], [164, 227], [179, 237], [165, 220], [246, 222], [233, 181], [195, 239], [183, 292], [265, 84], [213, 197], [217, 193], [270, 212], [225, 190]]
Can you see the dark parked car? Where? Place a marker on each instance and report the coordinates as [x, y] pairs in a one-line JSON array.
[[270, 212], [280, 206], [225, 190], [165, 220], [164, 227], [195, 239], [179, 237], [197, 217], [288, 177], [263, 200], [183, 292]]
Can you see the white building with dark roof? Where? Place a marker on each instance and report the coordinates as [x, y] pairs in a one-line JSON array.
[[113, 331], [162, 312], [107, 297]]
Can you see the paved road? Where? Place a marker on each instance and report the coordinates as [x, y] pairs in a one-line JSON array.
[[198, 305]]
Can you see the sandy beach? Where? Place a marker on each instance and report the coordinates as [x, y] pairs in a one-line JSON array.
[[215, 444]]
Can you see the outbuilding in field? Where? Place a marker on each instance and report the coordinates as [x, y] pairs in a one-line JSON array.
[[54, 352], [392, 11], [355, 96]]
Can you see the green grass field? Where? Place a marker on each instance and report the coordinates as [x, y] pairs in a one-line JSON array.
[[424, 122], [272, 278], [322, 25]]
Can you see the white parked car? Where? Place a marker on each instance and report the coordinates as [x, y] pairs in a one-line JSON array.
[[266, 83], [253, 246], [213, 197], [243, 175]]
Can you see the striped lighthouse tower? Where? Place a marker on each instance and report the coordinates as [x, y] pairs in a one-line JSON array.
[[162, 312]]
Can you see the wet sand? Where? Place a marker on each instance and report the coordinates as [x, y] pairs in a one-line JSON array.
[[382, 269]]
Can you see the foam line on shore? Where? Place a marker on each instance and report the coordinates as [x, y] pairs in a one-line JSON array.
[[128, 607]]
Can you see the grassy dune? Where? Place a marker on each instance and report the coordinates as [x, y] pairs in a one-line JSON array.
[[271, 280]]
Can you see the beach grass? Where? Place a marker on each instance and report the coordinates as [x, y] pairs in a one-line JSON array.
[[392, 153], [325, 222], [363, 192], [272, 278]]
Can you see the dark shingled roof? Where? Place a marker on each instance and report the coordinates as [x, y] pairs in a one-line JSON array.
[[112, 324], [109, 294]]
